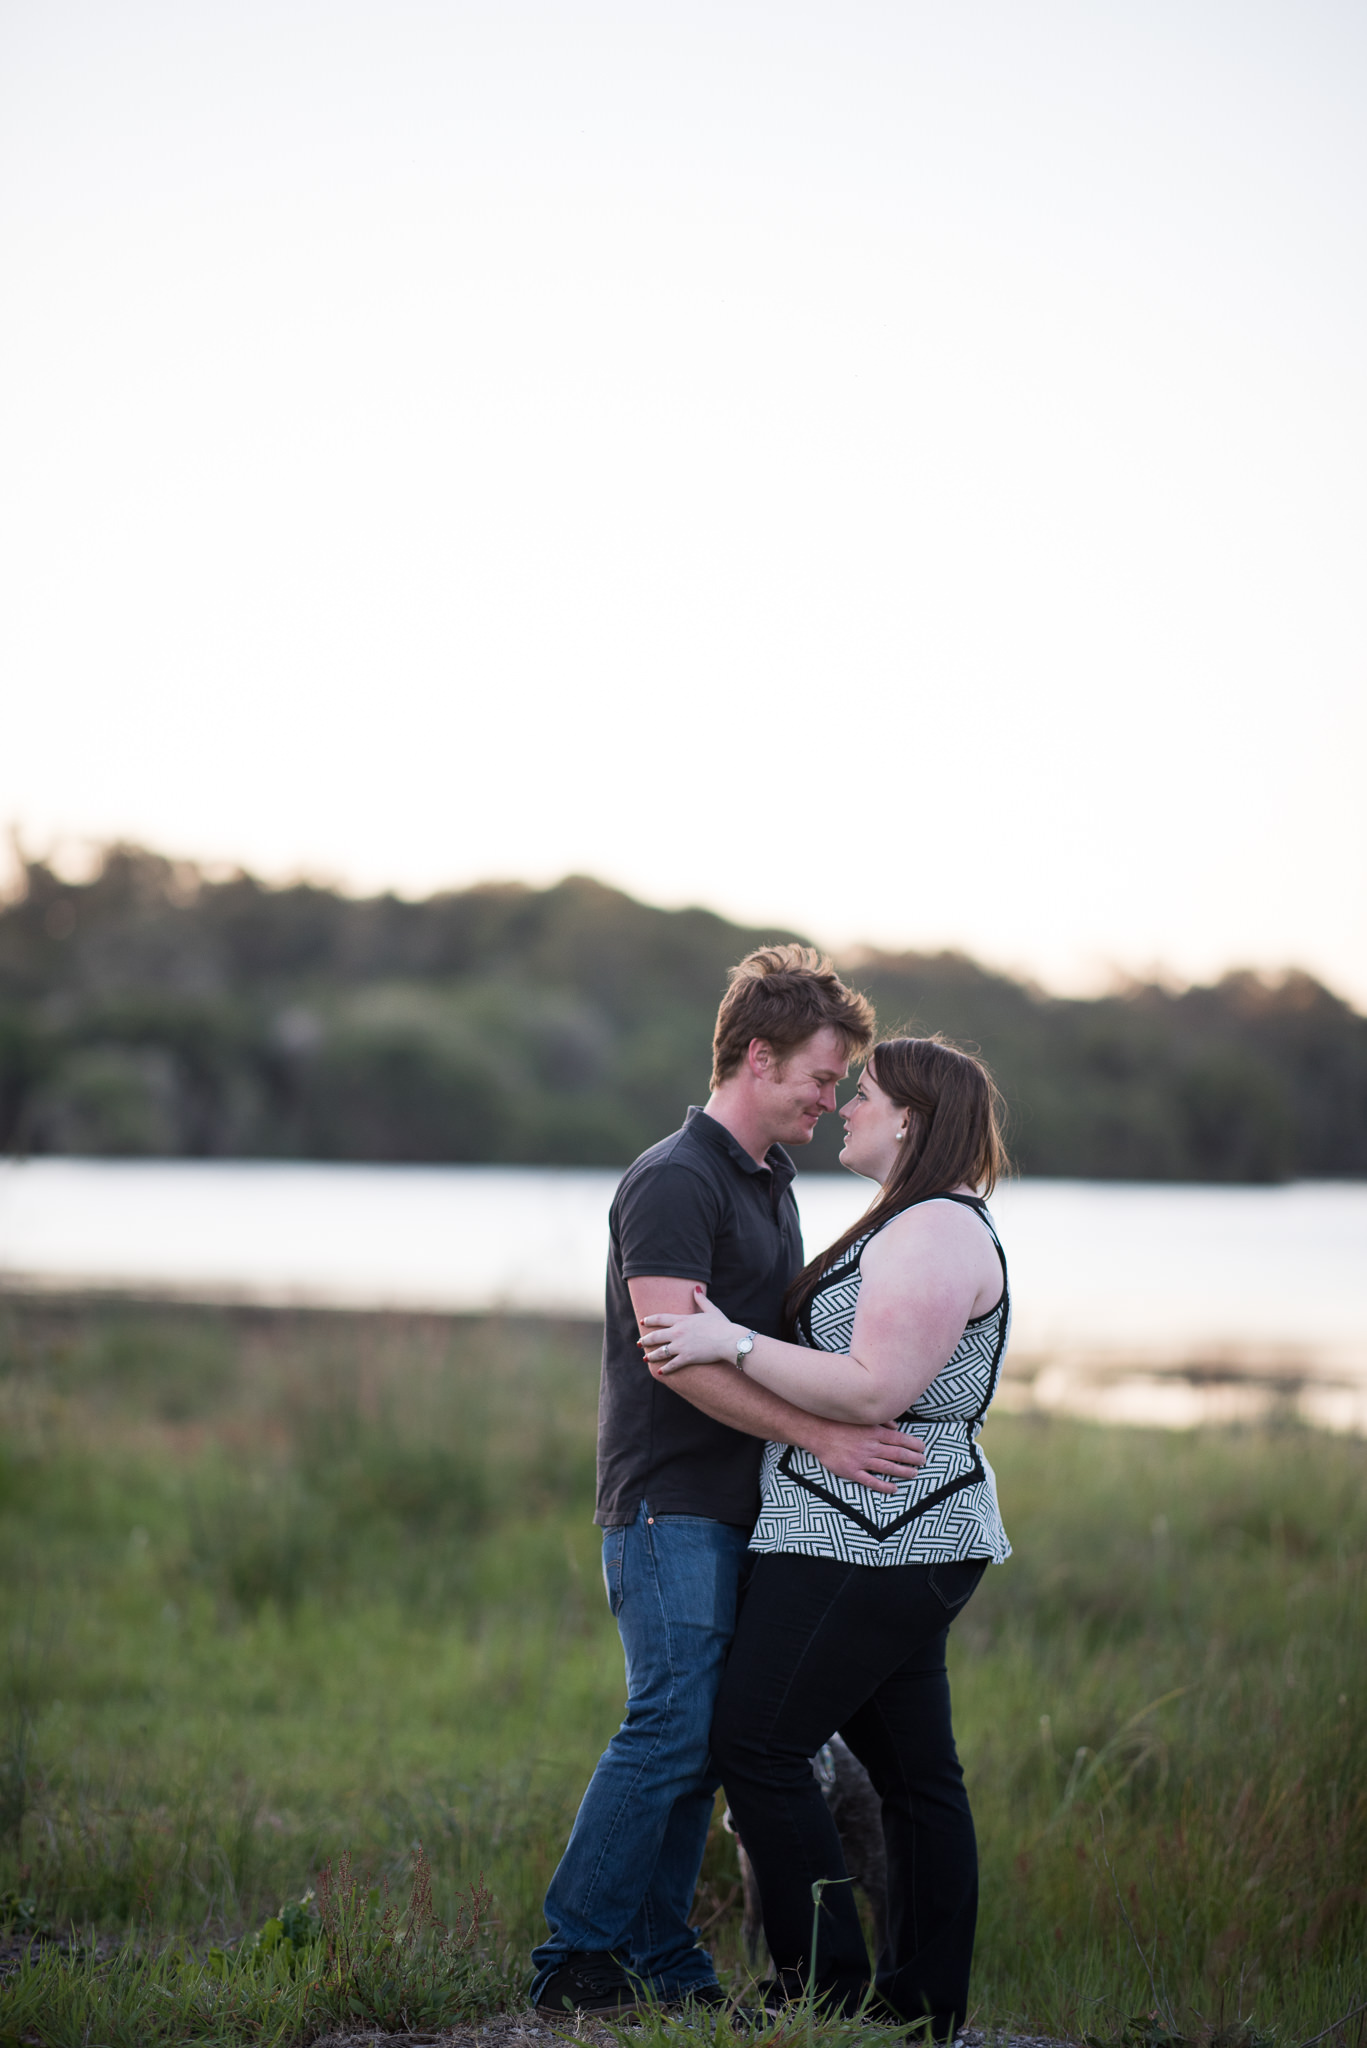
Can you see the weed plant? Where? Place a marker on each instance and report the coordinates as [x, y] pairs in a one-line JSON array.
[[279, 1590]]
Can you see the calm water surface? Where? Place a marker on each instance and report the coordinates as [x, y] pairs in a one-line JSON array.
[[1132, 1303]]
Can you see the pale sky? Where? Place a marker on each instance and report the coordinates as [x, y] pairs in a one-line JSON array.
[[897, 470]]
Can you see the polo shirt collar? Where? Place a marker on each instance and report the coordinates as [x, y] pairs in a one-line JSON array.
[[776, 1160]]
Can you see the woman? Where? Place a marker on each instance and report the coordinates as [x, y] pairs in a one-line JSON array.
[[852, 1592]]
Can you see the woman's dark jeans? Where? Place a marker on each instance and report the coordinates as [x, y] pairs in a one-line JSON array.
[[823, 1646]]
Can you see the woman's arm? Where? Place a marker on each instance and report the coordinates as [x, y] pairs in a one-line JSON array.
[[923, 1276], [874, 1456]]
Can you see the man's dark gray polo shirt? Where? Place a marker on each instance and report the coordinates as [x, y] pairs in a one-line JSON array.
[[694, 1207]]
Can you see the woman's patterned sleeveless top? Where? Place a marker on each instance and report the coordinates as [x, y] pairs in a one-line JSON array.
[[949, 1510]]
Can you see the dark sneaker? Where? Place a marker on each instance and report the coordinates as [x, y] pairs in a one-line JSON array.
[[590, 1981]]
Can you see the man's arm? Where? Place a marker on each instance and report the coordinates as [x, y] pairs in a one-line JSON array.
[[869, 1453]]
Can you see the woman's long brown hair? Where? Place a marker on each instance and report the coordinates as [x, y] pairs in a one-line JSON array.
[[954, 1117]]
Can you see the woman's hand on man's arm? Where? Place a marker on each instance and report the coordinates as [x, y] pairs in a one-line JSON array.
[[695, 1334]]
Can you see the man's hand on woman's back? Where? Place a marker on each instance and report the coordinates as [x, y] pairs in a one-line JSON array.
[[867, 1452]]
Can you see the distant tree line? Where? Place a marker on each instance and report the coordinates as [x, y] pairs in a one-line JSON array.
[[155, 1010]]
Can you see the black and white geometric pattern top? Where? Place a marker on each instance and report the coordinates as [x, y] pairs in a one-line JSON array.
[[949, 1510]]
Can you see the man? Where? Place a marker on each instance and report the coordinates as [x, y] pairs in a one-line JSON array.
[[678, 1475]]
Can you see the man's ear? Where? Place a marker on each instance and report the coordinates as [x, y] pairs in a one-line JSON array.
[[759, 1057]]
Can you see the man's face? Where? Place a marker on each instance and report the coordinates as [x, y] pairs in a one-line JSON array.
[[801, 1089]]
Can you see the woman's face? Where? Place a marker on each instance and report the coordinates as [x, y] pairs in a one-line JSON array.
[[874, 1129]]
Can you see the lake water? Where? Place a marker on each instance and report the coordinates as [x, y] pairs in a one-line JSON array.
[[1170, 1305]]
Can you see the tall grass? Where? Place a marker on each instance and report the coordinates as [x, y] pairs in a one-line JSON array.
[[280, 1588]]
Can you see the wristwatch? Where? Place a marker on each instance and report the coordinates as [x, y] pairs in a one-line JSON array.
[[743, 1349]]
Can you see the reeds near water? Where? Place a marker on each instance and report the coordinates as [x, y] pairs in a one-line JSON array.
[[279, 1589]]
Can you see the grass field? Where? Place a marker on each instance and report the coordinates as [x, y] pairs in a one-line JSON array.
[[278, 1588]]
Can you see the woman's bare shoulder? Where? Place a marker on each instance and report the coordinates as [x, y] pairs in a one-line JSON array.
[[938, 1248], [939, 1226]]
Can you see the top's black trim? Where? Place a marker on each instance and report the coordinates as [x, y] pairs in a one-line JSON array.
[[880, 1531]]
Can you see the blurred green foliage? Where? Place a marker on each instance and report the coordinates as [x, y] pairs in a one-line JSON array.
[[156, 1010]]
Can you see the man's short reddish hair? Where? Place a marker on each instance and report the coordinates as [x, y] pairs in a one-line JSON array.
[[783, 994]]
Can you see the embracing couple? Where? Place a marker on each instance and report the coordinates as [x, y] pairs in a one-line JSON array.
[[794, 1508]]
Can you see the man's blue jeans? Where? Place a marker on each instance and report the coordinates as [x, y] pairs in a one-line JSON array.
[[626, 1880]]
